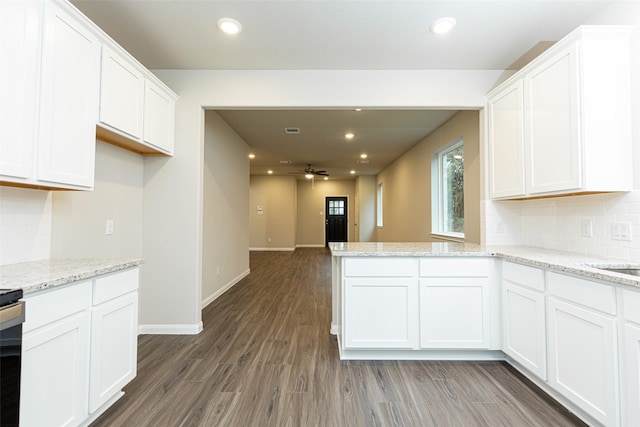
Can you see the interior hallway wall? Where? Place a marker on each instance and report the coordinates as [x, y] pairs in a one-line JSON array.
[[311, 209], [407, 184], [225, 236], [272, 227]]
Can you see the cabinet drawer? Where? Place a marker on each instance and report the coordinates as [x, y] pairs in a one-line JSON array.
[[380, 267], [48, 307], [114, 285], [454, 267], [631, 305], [587, 293], [523, 275]]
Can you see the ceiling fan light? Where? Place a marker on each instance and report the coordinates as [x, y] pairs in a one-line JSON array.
[[308, 175]]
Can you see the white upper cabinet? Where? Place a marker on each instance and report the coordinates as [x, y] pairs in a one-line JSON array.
[[121, 94], [570, 110], [506, 133], [68, 100], [159, 114], [19, 48], [60, 76], [50, 66], [136, 110]]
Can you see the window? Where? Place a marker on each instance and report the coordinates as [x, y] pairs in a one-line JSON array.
[[379, 205], [448, 190], [336, 207]]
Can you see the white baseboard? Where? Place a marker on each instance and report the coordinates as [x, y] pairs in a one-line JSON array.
[[185, 329], [310, 246], [208, 300], [271, 249]]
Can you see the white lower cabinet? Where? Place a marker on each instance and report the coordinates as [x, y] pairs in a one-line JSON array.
[[79, 349], [583, 359], [523, 313], [55, 375], [454, 313], [381, 313], [630, 358], [114, 341]]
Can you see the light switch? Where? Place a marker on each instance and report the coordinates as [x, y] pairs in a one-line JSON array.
[[109, 227], [586, 228]]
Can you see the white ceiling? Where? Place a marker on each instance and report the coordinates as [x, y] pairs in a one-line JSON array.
[[339, 34]]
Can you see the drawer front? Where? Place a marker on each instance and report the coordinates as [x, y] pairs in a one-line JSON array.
[[50, 306], [587, 293], [454, 267], [529, 277], [380, 267], [114, 285]]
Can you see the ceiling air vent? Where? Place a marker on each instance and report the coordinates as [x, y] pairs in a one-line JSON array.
[[285, 162], [362, 162], [292, 131]]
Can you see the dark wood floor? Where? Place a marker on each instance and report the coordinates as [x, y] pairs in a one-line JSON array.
[[265, 358]]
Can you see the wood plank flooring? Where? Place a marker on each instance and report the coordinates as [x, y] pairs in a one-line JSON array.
[[266, 358]]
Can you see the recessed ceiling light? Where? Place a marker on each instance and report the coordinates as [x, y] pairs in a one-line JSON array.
[[252, 156], [269, 171], [352, 172], [229, 26], [443, 25], [326, 178], [358, 109], [349, 135], [363, 156]]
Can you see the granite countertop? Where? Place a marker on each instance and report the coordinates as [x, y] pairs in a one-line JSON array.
[[39, 275], [568, 262]]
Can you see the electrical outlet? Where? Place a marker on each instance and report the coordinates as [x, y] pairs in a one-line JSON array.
[[586, 228], [109, 227], [269, 239], [500, 227], [621, 231], [218, 271]]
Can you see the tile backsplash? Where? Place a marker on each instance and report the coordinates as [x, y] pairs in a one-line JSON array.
[[557, 223], [25, 225]]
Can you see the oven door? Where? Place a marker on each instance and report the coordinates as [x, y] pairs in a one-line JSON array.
[[11, 319]]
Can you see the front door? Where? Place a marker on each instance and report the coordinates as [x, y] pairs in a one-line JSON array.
[[335, 219]]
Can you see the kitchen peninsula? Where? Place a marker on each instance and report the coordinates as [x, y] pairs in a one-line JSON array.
[[557, 317]]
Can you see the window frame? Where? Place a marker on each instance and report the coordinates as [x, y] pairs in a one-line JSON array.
[[379, 205], [437, 193]]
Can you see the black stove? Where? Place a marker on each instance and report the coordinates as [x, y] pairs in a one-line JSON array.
[[11, 319]]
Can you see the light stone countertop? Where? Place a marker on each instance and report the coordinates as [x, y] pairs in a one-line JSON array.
[[567, 262], [35, 276]]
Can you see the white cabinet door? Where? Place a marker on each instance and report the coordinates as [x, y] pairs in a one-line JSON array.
[[631, 376], [114, 343], [506, 142], [121, 94], [553, 124], [524, 331], [55, 367], [454, 313], [583, 359], [380, 313], [19, 53], [159, 114], [68, 100]]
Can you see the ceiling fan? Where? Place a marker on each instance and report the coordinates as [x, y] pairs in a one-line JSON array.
[[310, 172]]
